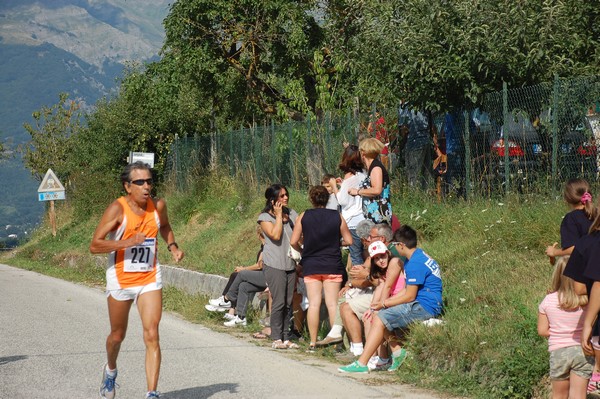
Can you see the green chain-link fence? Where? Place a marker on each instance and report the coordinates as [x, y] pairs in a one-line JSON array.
[[522, 140]]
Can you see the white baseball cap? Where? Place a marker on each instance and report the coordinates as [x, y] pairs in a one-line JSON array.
[[377, 248]]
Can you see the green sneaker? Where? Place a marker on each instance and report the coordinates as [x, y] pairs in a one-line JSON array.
[[355, 367], [398, 360]]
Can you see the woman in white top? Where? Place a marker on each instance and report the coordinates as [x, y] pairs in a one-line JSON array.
[[351, 205]]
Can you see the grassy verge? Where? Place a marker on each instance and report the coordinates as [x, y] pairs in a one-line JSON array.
[[490, 252]]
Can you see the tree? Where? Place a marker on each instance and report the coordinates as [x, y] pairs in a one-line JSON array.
[[449, 53], [247, 58], [51, 138]]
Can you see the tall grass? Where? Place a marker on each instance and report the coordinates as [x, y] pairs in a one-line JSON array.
[[491, 254]]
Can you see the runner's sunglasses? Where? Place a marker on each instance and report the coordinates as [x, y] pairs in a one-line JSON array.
[[140, 182]]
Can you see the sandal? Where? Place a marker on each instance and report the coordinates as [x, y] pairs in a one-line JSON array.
[[291, 345], [259, 335], [279, 344]]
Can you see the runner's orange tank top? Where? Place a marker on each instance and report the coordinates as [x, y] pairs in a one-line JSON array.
[[138, 265]]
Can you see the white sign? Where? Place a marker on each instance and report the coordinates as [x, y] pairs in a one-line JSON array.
[[50, 183], [51, 196], [145, 157]]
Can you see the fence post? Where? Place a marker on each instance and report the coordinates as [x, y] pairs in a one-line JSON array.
[[505, 137], [175, 162], [231, 152], [213, 141], [242, 162], [356, 114], [273, 152], [467, 145], [291, 156], [327, 153], [254, 152], [554, 128]]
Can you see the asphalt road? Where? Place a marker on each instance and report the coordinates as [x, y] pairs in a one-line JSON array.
[[52, 336]]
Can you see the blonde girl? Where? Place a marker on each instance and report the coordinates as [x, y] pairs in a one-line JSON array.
[[561, 317]]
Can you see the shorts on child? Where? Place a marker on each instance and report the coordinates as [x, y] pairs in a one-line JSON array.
[[400, 316], [331, 278], [127, 294], [563, 361], [596, 343], [361, 302]]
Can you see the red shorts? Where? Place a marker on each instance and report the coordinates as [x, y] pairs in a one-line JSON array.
[[334, 278]]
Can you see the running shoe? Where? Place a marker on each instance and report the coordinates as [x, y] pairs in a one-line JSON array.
[[329, 340], [220, 302], [212, 308], [228, 316], [108, 387], [376, 363], [398, 360], [153, 394], [235, 322], [593, 387], [354, 367]]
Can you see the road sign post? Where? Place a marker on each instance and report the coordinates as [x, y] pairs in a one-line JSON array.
[[51, 189]]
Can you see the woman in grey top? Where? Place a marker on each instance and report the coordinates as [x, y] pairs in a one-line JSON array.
[[277, 223]]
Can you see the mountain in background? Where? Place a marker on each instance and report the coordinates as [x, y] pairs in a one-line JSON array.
[[75, 46]]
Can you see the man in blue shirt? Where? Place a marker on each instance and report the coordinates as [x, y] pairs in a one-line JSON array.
[[421, 300]]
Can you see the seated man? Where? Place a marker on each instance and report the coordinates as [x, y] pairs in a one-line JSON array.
[[421, 300], [360, 293]]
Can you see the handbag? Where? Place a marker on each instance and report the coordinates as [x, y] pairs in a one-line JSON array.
[[295, 255], [292, 252]]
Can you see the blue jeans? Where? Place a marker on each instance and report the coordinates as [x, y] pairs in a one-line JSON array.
[[356, 249], [400, 316]]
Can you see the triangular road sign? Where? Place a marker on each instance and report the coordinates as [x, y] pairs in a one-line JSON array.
[[50, 183]]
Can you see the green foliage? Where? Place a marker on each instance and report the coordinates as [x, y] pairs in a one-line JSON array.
[[245, 58], [453, 52], [51, 138]]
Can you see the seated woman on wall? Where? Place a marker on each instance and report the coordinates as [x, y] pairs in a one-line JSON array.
[[242, 284]]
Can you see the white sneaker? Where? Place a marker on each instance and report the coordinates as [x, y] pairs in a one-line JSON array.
[[236, 321], [228, 316], [376, 363], [220, 302], [212, 308]]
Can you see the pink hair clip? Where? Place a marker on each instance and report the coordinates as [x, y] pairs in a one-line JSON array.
[[587, 197]]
